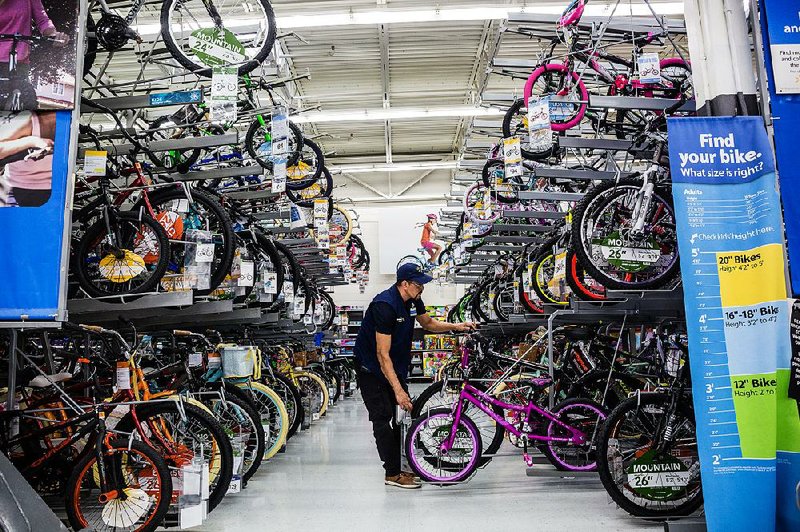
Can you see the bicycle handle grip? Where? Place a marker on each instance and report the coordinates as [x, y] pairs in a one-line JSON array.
[[92, 328], [179, 332]]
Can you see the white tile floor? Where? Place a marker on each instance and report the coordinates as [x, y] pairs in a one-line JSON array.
[[330, 479]]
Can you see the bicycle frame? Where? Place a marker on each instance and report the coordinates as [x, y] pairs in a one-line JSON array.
[[481, 399]]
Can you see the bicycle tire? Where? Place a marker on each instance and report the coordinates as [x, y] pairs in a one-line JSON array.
[[251, 145], [549, 448], [222, 471], [324, 191], [269, 404], [560, 69], [308, 180], [594, 200], [576, 279], [495, 434], [516, 107], [604, 467], [84, 467], [177, 52], [312, 384], [224, 250], [257, 440], [461, 473], [290, 395], [95, 233]]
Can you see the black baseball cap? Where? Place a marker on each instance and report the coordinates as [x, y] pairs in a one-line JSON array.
[[411, 272]]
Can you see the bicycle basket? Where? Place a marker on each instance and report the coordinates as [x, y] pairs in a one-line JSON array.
[[238, 361]]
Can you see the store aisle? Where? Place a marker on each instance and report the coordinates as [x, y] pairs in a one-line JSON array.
[[330, 479]]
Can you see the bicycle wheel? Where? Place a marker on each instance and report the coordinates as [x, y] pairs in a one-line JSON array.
[[581, 284], [321, 189], [131, 258], [195, 33], [272, 413], [183, 432], [139, 489], [424, 447], [581, 414], [240, 419], [556, 81], [435, 396], [628, 448], [308, 167], [292, 400], [173, 160], [340, 227], [202, 213], [258, 142], [411, 259], [503, 189], [515, 124], [608, 248], [312, 386], [546, 284]]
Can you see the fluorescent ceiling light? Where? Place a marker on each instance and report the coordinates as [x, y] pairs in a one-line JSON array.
[[386, 16], [395, 167], [396, 113]]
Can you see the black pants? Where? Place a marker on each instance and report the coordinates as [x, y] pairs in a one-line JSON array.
[[381, 405]]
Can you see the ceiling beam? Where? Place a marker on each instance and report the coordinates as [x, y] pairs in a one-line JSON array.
[[366, 185], [383, 36], [415, 182]]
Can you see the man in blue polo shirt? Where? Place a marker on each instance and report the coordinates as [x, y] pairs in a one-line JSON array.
[[383, 351]]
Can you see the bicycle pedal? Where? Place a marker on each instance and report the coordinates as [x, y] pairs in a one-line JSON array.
[[528, 459]]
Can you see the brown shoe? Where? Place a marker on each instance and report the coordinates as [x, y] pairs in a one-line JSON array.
[[412, 476], [401, 481]]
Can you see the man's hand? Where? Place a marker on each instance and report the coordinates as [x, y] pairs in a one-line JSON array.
[[465, 327], [403, 400]]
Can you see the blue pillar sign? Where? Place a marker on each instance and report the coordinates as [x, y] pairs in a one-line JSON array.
[[730, 238], [780, 20]]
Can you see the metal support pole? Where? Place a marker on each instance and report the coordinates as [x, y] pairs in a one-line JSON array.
[[11, 403]]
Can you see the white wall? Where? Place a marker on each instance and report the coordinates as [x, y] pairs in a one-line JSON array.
[[393, 219]]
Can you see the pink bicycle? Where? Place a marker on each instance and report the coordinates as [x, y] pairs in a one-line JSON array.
[[564, 83], [444, 446]]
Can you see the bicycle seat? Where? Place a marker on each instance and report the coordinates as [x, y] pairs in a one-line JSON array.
[[574, 334], [40, 381], [540, 382]]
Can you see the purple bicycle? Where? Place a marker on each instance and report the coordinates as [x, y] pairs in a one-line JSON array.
[[444, 446]]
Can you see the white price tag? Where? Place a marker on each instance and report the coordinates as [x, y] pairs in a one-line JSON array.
[[94, 163], [182, 205], [321, 208], [214, 361], [271, 283], [649, 68], [512, 152], [279, 176], [204, 252], [560, 271], [195, 360], [280, 147], [123, 376], [247, 273], [280, 124]]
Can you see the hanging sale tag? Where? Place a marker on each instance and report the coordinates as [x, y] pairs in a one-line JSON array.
[[204, 253], [649, 68], [94, 163], [214, 361], [512, 156], [270, 283], [123, 376], [224, 91], [195, 360], [540, 134], [279, 176], [247, 273]]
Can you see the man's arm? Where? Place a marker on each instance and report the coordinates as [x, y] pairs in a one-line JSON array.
[[383, 343], [436, 326]]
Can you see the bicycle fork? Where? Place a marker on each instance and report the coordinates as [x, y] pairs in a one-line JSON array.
[[644, 199]]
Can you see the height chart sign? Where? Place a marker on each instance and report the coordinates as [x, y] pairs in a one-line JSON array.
[[730, 238]]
